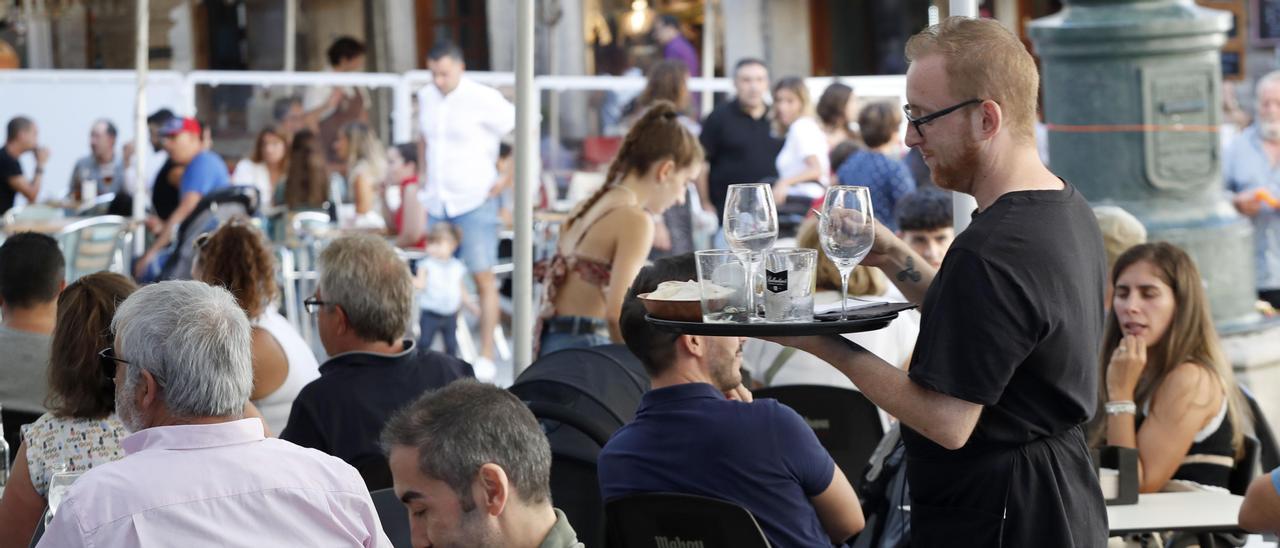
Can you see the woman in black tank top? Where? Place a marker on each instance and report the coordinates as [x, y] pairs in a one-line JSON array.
[[1168, 388]]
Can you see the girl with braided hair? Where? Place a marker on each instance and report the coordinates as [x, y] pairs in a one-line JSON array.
[[608, 236]]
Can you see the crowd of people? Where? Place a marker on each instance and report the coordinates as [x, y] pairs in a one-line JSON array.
[[1088, 335]]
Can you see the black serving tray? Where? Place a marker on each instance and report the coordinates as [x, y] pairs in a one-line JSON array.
[[869, 318]]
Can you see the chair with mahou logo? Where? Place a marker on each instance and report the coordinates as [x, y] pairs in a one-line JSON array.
[[674, 520], [845, 421]]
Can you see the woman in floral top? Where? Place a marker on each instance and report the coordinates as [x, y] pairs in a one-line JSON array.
[[81, 430]]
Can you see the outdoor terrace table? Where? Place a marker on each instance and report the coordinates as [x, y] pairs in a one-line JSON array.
[[1198, 512]]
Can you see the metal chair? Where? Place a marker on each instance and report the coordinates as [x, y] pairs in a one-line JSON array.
[[93, 245], [30, 213], [673, 519]]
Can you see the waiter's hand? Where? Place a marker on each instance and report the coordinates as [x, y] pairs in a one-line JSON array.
[[886, 241], [1125, 368]]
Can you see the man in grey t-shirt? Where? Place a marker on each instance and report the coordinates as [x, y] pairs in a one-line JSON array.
[[31, 276]]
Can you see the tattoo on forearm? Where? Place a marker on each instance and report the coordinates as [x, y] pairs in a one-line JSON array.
[[910, 272]]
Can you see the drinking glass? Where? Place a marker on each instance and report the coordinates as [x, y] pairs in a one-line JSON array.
[[788, 287], [750, 227], [59, 484], [722, 286], [847, 230]]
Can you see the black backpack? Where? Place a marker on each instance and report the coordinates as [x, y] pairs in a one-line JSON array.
[[886, 502]]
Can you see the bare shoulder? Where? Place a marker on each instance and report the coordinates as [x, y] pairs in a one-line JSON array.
[[1190, 388]]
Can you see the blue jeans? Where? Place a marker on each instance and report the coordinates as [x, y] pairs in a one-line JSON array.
[[447, 326]]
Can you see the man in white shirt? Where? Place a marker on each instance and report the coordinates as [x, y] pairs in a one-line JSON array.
[[462, 124], [195, 469]]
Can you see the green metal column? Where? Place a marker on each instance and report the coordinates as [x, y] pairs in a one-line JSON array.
[[1132, 100]]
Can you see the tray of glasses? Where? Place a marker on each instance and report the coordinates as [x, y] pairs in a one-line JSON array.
[[865, 318]]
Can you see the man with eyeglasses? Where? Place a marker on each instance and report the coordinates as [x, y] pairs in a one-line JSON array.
[[362, 307], [196, 466], [1004, 372]]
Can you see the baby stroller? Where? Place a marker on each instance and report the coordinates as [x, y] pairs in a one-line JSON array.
[[581, 396], [213, 210]]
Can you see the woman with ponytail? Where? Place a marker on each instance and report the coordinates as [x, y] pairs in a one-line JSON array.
[[608, 236]]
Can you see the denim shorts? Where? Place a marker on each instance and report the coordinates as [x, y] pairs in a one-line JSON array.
[[479, 246]]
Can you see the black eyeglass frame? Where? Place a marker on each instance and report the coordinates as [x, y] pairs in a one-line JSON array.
[[108, 359], [312, 304], [921, 121]]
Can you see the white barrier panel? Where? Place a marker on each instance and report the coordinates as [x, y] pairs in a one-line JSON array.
[[65, 103]]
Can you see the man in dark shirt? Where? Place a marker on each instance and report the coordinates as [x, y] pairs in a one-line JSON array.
[[1005, 369], [23, 137], [698, 432], [362, 307], [737, 138]]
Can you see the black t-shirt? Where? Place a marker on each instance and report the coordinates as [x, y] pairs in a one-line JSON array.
[[164, 196], [1013, 321], [740, 149], [9, 168]]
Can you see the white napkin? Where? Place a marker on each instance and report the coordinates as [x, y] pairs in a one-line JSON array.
[[835, 307]]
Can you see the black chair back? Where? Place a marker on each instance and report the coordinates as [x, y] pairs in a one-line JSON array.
[[1269, 450], [394, 518], [13, 423], [581, 396], [846, 422], [672, 519]]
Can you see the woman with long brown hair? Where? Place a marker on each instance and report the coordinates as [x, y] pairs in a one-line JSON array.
[[307, 186], [237, 257], [81, 429], [366, 166], [608, 236], [1168, 387], [803, 159], [266, 167], [838, 110]]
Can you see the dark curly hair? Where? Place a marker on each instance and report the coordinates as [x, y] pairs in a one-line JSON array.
[[237, 257]]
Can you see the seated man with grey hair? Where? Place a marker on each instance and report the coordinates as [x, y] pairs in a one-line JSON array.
[[363, 311], [473, 468], [194, 467]]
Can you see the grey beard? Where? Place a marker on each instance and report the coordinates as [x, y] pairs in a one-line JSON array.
[[1269, 130]]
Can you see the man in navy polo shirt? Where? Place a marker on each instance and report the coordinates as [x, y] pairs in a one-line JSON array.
[[362, 309], [698, 432]]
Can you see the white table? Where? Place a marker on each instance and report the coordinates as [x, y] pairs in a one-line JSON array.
[[1191, 512]]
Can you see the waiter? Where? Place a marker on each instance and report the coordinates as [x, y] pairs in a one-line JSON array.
[[1005, 370]]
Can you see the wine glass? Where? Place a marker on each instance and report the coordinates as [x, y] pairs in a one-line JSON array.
[[847, 229], [59, 484], [750, 227]]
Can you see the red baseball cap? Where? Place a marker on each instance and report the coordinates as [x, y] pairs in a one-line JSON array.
[[181, 125]]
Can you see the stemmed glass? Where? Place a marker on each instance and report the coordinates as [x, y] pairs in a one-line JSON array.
[[847, 230], [750, 227], [58, 486]]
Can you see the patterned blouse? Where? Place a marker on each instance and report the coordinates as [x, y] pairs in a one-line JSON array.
[[80, 443]]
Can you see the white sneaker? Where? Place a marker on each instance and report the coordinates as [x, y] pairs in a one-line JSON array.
[[484, 369]]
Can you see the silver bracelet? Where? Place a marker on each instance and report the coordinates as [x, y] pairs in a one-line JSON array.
[[1121, 408]]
